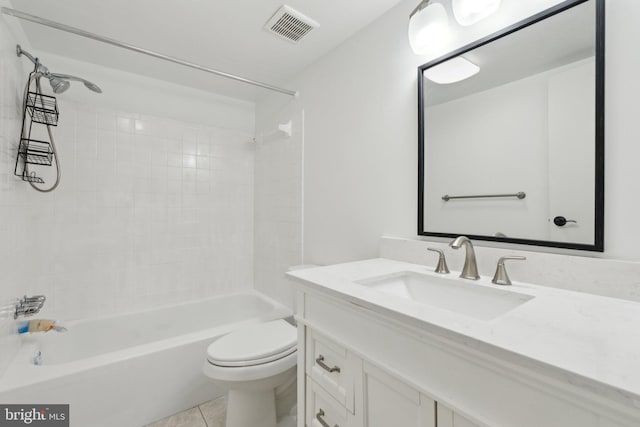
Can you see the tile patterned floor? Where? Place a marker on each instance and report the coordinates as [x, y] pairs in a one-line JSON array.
[[209, 414]]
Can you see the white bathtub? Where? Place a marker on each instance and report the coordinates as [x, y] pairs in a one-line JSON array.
[[131, 369]]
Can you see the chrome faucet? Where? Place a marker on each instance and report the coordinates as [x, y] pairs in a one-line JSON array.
[[470, 269], [442, 267], [501, 277], [28, 306]]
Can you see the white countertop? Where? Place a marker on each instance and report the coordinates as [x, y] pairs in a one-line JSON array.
[[585, 340]]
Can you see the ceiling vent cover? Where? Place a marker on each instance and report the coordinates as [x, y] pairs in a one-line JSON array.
[[290, 25]]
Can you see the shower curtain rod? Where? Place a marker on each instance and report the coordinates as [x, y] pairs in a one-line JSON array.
[[83, 33]]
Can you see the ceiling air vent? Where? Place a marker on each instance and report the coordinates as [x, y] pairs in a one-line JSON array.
[[290, 25]]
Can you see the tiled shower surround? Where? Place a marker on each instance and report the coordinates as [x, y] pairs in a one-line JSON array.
[[11, 78], [149, 211]]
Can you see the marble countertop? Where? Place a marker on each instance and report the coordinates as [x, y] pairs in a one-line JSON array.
[[585, 340]]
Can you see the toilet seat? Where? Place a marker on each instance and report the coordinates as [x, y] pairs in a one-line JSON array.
[[237, 374], [254, 352], [254, 362], [254, 345]]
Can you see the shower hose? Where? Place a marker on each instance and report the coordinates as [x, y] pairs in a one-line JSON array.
[[37, 77]]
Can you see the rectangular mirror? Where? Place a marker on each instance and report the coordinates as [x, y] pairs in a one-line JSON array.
[[511, 132]]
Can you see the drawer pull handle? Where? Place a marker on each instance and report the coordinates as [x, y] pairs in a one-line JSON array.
[[321, 420], [320, 361]]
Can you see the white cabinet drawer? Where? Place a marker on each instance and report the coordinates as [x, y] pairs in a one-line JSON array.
[[333, 368], [323, 410]]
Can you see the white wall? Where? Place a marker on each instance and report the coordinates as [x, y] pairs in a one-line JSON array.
[[11, 80], [278, 204], [155, 205], [622, 176], [360, 143], [360, 105]]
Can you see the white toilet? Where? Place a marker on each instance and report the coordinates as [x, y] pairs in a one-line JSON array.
[[251, 363]]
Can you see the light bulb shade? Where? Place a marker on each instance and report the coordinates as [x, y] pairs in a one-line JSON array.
[[452, 71], [429, 29], [468, 12]]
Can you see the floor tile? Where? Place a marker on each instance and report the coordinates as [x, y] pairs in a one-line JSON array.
[[215, 412], [189, 418]]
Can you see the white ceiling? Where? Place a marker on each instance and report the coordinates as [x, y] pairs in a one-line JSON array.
[[223, 34]]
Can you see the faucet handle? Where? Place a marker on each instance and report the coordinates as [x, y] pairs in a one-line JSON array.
[[28, 306], [442, 267], [501, 277]]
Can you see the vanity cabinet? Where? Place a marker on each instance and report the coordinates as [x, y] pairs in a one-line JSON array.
[[360, 367], [387, 401], [343, 390], [448, 418]]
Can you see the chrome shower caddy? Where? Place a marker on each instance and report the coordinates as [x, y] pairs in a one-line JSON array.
[[40, 109]]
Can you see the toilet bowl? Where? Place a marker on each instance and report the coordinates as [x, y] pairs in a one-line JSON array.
[[251, 363]]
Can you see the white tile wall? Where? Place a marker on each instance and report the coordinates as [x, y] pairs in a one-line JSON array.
[[278, 206], [149, 211], [155, 206], [11, 81]]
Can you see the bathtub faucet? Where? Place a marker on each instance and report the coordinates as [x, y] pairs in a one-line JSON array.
[[28, 306]]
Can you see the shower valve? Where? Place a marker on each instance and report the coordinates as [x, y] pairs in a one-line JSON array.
[[28, 306]]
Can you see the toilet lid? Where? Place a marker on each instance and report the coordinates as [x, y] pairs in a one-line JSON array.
[[254, 344]]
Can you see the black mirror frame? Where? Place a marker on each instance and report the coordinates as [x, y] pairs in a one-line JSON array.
[[598, 245]]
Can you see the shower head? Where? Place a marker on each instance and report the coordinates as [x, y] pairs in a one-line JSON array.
[[58, 85], [65, 77], [93, 87], [59, 82]]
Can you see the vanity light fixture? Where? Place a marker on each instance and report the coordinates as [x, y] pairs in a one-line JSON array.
[[468, 12], [428, 27], [452, 71]]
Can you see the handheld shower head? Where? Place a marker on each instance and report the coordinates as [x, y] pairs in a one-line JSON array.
[[93, 87], [66, 77], [59, 82]]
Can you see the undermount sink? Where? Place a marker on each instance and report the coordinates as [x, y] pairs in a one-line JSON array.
[[452, 294]]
